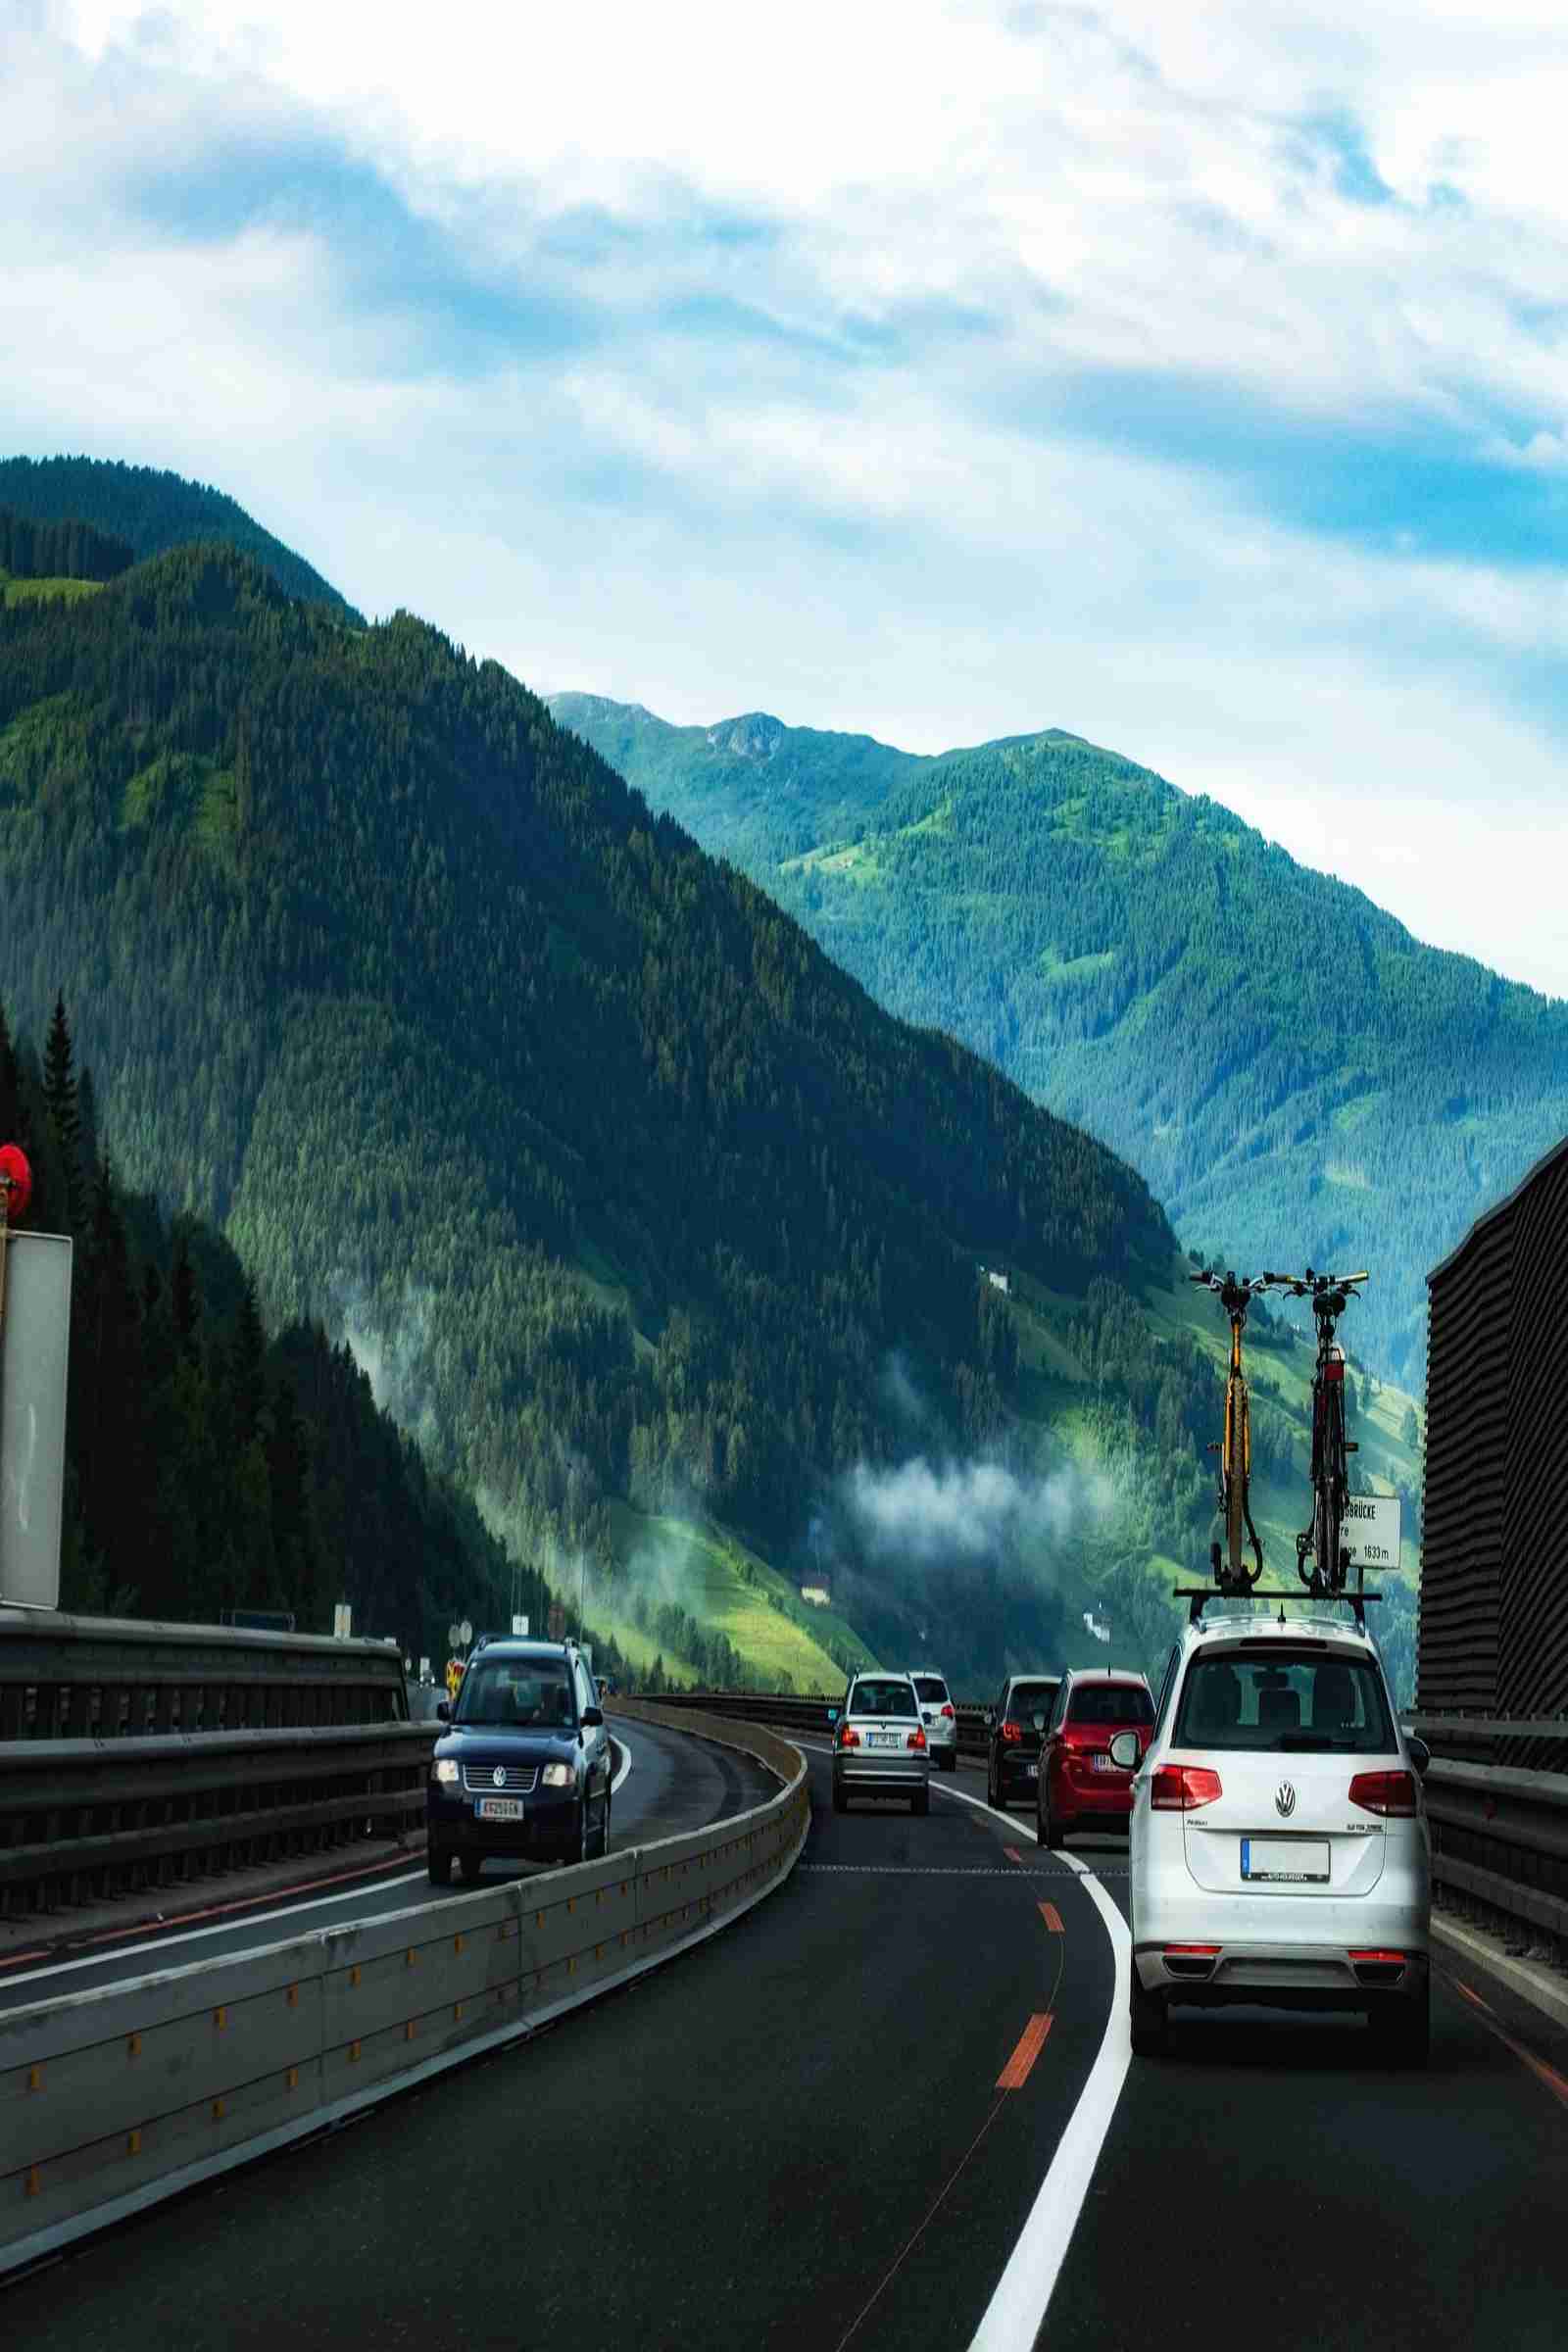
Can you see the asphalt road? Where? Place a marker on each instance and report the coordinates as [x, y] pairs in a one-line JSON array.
[[676, 1781], [797, 2134]]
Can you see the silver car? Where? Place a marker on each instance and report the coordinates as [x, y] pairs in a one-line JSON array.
[[1279, 1852], [938, 1715], [880, 1746]]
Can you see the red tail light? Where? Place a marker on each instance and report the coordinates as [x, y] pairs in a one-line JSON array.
[[1392, 1794], [1198, 1951], [1011, 1730], [1183, 1787], [1378, 1959], [949, 1714], [915, 1740], [848, 1737]]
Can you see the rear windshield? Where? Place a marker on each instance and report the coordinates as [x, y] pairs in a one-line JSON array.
[[930, 1687], [528, 1693], [1029, 1699], [1285, 1701], [1110, 1703], [882, 1699]]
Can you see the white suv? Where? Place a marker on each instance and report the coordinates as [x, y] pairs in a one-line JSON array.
[[938, 1715], [1279, 1852]]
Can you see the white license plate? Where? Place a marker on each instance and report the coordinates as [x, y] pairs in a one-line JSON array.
[[499, 1809], [1104, 1764], [1286, 1861], [1031, 1772], [883, 1739]]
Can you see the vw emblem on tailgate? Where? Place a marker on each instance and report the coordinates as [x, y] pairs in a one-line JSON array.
[[1284, 1799], [499, 1776]]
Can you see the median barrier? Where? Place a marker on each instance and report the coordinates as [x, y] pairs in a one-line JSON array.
[[117, 2098]]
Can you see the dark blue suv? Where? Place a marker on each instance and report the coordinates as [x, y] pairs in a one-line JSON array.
[[524, 1768]]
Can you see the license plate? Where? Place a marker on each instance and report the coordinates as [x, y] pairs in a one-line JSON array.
[[883, 1739], [1104, 1764], [1031, 1772], [499, 1809], [1286, 1861]]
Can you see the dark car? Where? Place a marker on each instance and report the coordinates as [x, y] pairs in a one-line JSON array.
[[524, 1769], [1080, 1787], [1013, 1727]]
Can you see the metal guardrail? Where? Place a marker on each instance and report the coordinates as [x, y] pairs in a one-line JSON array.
[[806, 1713], [84, 1819], [116, 2099]]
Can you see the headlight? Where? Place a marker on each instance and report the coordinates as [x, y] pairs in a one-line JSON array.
[[445, 1768], [559, 1776]]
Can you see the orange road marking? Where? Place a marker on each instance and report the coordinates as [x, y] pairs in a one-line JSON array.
[[1051, 1917], [1015, 2074], [1013, 1855], [1473, 1997]]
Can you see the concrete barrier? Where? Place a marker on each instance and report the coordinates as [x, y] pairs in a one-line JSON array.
[[113, 2099]]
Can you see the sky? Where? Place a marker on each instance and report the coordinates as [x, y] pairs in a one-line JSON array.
[[1193, 379]]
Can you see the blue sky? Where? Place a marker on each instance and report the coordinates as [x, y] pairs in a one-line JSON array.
[[934, 370]]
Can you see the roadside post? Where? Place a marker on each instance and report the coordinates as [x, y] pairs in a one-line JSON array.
[[35, 1356]]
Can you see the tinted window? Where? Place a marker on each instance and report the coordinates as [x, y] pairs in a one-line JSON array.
[[1030, 1699], [1167, 1686], [1283, 1700], [1110, 1703], [524, 1693], [931, 1689], [877, 1697]]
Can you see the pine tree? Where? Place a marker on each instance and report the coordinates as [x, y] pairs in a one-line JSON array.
[[185, 1302], [64, 1116]]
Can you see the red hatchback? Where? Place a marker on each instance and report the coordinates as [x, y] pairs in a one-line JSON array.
[[1080, 1787]]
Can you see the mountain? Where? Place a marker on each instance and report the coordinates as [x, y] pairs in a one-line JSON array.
[[151, 511], [1298, 1077], [634, 1206]]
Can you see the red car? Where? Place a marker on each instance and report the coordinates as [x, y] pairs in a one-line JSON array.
[[1079, 1786]]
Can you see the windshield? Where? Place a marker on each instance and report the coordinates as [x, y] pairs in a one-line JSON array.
[[1029, 1699], [1110, 1703], [931, 1689], [522, 1694], [882, 1699], [1285, 1701]]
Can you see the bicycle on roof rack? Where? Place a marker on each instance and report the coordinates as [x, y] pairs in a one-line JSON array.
[[1235, 1450], [1324, 1541]]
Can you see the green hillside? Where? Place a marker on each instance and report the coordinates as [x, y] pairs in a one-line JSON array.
[[627, 1197], [151, 511], [1298, 1078]]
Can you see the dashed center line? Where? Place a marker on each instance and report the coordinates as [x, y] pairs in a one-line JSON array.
[[1051, 1917], [1015, 2074]]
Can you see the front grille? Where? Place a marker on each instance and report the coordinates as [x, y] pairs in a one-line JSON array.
[[480, 1778]]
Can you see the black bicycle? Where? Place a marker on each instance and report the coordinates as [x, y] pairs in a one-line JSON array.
[[1231, 1572], [1324, 1541]]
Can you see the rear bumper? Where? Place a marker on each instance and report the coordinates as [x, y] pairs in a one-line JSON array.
[[1108, 1800], [1278, 1948], [1019, 1774], [882, 1779], [1279, 1977]]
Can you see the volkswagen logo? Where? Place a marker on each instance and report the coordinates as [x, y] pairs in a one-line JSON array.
[[1284, 1799], [499, 1776]]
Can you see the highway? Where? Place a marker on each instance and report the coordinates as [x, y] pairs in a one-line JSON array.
[[665, 1782], [847, 2116]]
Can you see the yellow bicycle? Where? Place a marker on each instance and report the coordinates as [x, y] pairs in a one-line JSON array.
[[1231, 1572]]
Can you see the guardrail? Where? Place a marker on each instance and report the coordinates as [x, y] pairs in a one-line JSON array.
[[806, 1713], [118, 2098]]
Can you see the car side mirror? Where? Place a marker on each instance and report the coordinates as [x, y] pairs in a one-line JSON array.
[[1125, 1751], [443, 1710], [832, 1717], [592, 1717], [1420, 1755]]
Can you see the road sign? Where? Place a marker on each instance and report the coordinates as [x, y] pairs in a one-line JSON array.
[[342, 1621], [34, 1340], [1372, 1530], [464, 1633], [520, 1628], [454, 1634], [424, 1670]]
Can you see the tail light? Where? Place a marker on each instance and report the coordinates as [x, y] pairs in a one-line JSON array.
[[1194, 1960], [1183, 1787], [848, 1737], [1392, 1794], [948, 1715], [1010, 1732], [916, 1738], [1378, 1968]]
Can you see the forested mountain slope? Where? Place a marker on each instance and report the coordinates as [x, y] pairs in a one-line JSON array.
[[151, 511], [619, 1186], [1294, 1075]]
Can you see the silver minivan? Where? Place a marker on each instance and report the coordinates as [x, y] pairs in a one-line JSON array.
[[880, 1746]]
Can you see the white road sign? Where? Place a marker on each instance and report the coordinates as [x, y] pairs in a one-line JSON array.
[[33, 1343], [342, 1621], [1372, 1530], [454, 1636], [520, 1626], [464, 1633]]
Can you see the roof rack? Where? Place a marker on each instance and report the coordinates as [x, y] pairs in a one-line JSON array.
[[1198, 1596]]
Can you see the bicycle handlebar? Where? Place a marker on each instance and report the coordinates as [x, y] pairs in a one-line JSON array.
[[1311, 1285]]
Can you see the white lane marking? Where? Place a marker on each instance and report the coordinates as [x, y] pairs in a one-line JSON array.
[[1016, 2311], [224, 1927], [626, 1766]]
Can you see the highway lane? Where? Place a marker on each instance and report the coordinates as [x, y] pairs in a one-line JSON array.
[[791, 2134], [675, 1781]]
